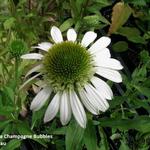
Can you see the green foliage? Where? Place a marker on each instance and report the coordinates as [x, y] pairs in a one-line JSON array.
[[132, 34], [74, 136], [125, 125], [12, 145], [120, 46], [89, 138]]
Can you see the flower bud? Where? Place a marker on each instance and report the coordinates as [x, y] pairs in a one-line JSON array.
[[17, 48]]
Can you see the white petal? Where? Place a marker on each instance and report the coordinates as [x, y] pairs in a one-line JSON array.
[[56, 34], [109, 63], [29, 80], [32, 56], [100, 44], [98, 100], [53, 108], [71, 35], [102, 87], [77, 109], [43, 46], [88, 38], [104, 53], [65, 109], [112, 75], [40, 99], [88, 103], [36, 68]]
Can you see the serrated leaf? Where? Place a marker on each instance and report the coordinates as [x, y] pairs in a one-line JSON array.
[[89, 138], [121, 13], [74, 136]]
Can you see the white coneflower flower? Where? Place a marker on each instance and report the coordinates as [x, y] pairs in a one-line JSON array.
[[72, 71]]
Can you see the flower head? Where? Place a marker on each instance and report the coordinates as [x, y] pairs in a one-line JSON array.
[[72, 71]]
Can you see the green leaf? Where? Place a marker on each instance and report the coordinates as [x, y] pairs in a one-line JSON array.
[[103, 143], [120, 15], [120, 46], [138, 103], [137, 2], [117, 101], [103, 3], [67, 24], [24, 129], [6, 110], [132, 34], [144, 55], [143, 90], [9, 92], [3, 124], [103, 19], [139, 72], [124, 146], [9, 23], [7, 130], [75, 11], [12, 145], [80, 4], [89, 138], [91, 21], [141, 123], [37, 117], [59, 131], [74, 136]]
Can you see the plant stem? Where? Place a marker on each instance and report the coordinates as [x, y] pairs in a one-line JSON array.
[[17, 60], [16, 71]]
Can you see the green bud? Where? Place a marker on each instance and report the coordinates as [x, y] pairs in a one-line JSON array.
[[17, 48]]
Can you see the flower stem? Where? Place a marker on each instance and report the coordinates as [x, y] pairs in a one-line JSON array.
[[16, 71], [17, 60]]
